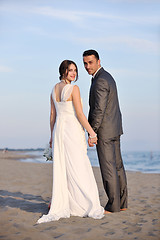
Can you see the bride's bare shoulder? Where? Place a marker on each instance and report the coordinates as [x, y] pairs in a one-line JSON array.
[[75, 88], [76, 92], [56, 85]]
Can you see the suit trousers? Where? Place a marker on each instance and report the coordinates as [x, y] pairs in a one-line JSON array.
[[113, 173]]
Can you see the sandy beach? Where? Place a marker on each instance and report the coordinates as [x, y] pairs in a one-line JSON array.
[[25, 192]]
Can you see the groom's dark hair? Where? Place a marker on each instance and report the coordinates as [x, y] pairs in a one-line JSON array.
[[91, 52]]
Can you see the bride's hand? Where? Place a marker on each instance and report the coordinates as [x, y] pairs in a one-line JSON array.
[[92, 141], [89, 143], [93, 138]]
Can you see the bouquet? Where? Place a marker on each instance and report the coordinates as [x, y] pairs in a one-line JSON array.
[[48, 153]]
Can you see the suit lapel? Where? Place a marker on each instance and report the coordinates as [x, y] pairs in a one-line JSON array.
[[98, 73], [93, 80]]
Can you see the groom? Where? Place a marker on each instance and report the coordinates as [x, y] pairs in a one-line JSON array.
[[105, 119]]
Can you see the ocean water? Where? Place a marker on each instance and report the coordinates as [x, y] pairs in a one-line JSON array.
[[146, 162]]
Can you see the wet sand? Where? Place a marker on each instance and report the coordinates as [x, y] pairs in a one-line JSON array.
[[25, 192]]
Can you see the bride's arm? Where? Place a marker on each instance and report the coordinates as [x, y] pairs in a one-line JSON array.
[[79, 111], [52, 118]]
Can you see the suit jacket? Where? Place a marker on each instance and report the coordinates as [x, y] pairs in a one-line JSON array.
[[104, 114]]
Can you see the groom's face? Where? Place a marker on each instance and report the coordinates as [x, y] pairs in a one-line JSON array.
[[91, 64]]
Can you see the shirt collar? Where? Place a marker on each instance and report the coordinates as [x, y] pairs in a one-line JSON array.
[[96, 72]]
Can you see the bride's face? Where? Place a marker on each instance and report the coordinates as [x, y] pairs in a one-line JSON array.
[[72, 72]]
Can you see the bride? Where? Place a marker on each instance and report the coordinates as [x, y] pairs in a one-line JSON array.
[[74, 190]]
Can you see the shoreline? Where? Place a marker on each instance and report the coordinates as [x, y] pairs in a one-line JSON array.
[[29, 156], [26, 189]]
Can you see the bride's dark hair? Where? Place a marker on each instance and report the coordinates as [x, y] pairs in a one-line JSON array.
[[64, 66]]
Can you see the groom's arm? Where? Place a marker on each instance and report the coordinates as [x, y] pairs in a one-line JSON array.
[[100, 94]]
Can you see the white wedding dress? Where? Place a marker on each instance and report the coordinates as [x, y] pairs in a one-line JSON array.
[[74, 190]]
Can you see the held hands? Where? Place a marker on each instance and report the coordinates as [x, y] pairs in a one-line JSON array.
[[92, 140]]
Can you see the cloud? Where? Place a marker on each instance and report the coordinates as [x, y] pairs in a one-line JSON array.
[[57, 13], [4, 69], [84, 19], [138, 44], [81, 16], [77, 17]]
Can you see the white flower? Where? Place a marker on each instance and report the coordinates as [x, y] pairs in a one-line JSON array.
[[48, 153]]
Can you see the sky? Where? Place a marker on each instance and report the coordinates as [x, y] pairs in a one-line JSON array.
[[37, 35]]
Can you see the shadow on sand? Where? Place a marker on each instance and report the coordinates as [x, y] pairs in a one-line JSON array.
[[26, 202]]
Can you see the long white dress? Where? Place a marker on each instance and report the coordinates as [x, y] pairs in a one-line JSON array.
[[74, 190]]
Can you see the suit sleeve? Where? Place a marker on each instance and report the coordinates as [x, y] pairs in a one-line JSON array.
[[100, 94]]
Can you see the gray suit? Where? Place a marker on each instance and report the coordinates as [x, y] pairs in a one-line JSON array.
[[105, 118]]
